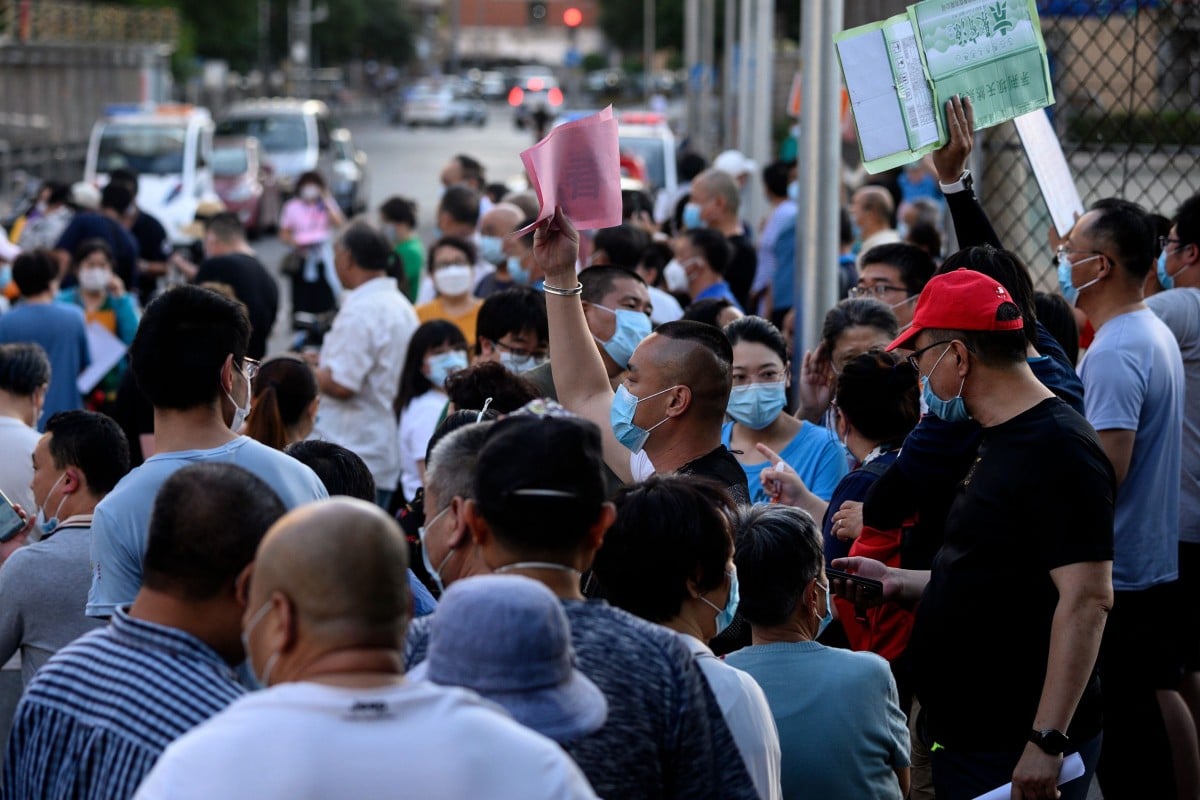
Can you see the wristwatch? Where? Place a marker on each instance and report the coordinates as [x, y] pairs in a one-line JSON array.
[[964, 183], [1050, 741]]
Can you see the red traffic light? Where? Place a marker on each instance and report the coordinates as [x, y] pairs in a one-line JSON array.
[[572, 17]]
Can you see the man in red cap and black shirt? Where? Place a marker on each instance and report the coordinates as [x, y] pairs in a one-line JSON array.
[[1011, 615]]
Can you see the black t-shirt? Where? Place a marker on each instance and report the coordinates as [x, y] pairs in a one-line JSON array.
[[134, 413], [254, 286], [1038, 496], [740, 272], [153, 246], [719, 465]]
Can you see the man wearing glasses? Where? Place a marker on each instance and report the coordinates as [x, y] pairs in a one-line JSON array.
[[1133, 395], [189, 358], [1179, 271], [894, 274]]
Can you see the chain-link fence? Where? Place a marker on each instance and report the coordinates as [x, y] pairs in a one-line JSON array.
[[1126, 77]]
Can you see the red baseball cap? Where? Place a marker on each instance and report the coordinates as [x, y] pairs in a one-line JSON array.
[[962, 300]]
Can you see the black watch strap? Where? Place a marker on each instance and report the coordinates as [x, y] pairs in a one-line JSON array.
[[1050, 741]]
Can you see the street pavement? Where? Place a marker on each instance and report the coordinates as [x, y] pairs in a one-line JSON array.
[[408, 162]]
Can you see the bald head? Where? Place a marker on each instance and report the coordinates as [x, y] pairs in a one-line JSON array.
[[501, 220], [342, 563], [875, 200], [721, 184], [698, 356]]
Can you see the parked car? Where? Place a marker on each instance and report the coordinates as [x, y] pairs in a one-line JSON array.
[[492, 85], [295, 135], [533, 92], [349, 185], [469, 110], [245, 183], [430, 105]]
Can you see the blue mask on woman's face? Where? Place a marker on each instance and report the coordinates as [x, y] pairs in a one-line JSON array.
[[691, 216], [952, 410], [757, 405], [443, 364], [632, 327], [725, 615]]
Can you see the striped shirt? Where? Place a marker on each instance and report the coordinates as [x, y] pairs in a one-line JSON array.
[[98, 715]]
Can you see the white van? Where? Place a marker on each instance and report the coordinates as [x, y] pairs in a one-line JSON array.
[[170, 149], [296, 135]]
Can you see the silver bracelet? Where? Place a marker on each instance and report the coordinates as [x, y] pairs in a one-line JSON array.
[[572, 292]]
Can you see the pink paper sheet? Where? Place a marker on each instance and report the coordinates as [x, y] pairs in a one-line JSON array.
[[578, 166]]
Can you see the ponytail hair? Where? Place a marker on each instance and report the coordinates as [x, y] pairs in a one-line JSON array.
[[282, 390]]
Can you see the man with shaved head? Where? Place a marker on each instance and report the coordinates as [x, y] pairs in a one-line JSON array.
[[324, 627], [98, 715], [871, 208], [718, 197], [499, 222], [666, 416]]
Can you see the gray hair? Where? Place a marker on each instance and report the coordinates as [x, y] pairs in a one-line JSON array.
[[450, 471], [722, 184], [928, 211], [779, 551], [24, 368]]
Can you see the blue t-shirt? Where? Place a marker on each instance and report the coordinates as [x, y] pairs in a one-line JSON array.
[[61, 331], [1134, 381], [718, 291], [813, 453], [852, 487], [121, 522], [841, 730], [92, 225], [783, 286]]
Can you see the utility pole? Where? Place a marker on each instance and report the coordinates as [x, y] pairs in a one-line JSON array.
[[708, 33], [455, 33], [819, 162], [729, 95], [691, 61], [745, 110], [649, 40], [758, 140]]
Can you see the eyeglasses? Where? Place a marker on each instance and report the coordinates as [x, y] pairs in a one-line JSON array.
[[1063, 250], [251, 367], [915, 358], [1163, 241], [521, 352], [766, 376], [877, 291]]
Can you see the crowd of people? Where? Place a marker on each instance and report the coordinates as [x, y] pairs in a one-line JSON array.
[[563, 515]]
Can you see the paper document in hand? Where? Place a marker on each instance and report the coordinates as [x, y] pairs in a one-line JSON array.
[[578, 167], [900, 72], [1072, 768], [1051, 169], [106, 351]]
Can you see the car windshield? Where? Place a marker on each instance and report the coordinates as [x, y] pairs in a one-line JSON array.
[[229, 161], [650, 150], [145, 149], [275, 133]]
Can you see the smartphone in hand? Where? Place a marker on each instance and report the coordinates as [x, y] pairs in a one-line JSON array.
[[11, 523]]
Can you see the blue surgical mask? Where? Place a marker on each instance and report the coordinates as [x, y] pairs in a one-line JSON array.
[[828, 615], [632, 327], [265, 680], [757, 405], [491, 249], [1165, 279], [725, 615], [5, 275], [517, 364], [48, 525], [442, 364], [691, 216], [435, 575], [902, 230], [1069, 290], [952, 410], [517, 272], [794, 191], [620, 417]]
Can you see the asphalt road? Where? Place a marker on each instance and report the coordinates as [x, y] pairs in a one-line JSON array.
[[407, 162]]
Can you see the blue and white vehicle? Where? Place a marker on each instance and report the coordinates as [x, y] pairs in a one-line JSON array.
[[170, 149]]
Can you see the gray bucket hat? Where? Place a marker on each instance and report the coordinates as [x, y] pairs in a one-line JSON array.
[[508, 639]]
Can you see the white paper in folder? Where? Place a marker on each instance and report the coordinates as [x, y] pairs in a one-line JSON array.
[[1072, 768]]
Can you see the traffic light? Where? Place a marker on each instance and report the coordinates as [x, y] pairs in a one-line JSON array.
[[572, 17], [538, 10]]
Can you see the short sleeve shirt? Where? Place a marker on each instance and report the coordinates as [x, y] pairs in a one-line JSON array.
[[814, 454], [1133, 381]]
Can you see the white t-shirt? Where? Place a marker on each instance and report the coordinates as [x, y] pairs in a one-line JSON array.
[[418, 421], [17, 441], [365, 350], [748, 716], [415, 740], [664, 306]]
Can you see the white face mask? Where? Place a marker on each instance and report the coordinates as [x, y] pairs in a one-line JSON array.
[[675, 276], [239, 412], [454, 280], [310, 193], [94, 279]]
